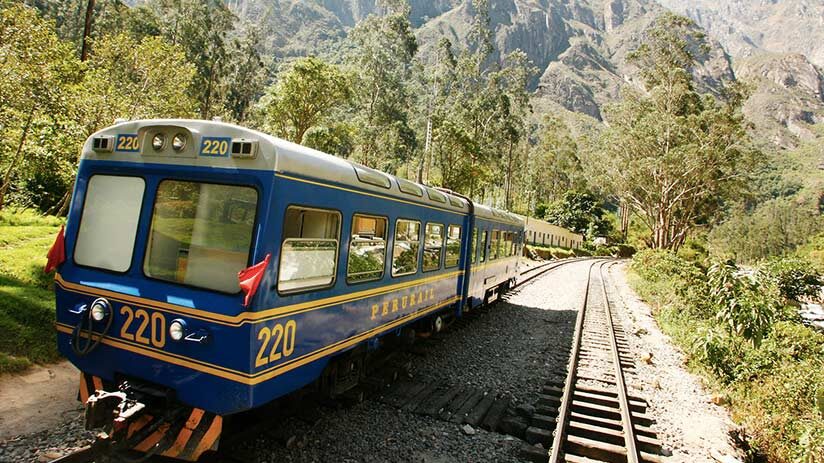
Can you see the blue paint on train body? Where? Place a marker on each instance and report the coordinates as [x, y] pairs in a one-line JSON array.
[[235, 370]]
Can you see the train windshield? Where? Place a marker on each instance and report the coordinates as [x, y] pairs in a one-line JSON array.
[[201, 234]]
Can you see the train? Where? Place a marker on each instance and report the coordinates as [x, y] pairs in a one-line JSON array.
[[207, 269], [541, 233]]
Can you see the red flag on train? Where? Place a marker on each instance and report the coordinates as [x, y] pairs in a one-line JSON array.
[[57, 253], [250, 279]]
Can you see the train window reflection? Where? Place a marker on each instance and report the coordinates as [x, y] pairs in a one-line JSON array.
[[309, 253], [483, 245], [453, 246], [405, 249], [201, 234], [474, 245], [367, 249], [433, 247]]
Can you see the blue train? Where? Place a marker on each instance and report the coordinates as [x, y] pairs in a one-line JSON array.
[[209, 269]]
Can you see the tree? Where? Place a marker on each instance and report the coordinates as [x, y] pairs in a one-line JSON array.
[[672, 155], [554, 167], [129, 78], [305, 92], [37, 72], [201, 29], [247, 74], [381, 62], [579, 212]]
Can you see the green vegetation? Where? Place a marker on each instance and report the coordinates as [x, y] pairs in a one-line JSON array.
[[672, 155], [578, 211], [741, 331], [26, 296]]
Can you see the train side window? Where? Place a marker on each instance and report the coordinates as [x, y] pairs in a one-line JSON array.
[[482, 244], [367, 249], [493, 244], [433, 247], [453, 246], [309, 253], [405, 248]]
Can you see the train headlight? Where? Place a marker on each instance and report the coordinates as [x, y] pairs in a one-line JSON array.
[[100, 309], [177, 329], [158, 141], [179, 142]]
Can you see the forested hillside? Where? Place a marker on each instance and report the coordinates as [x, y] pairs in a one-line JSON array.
[[504, 100]]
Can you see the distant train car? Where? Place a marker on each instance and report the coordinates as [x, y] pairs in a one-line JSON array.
[[210, 269], [541, 233]]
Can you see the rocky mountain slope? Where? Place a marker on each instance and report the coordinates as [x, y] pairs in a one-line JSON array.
[[788, 96], [750, 27], [778, 47], [579, 46]]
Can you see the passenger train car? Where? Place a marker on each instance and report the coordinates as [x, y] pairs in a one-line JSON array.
[[541, 233], [209, 269]]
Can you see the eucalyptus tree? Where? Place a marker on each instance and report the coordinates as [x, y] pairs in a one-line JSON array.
[[674, 156], [381, 61]]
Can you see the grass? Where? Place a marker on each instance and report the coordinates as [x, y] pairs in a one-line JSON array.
[[774, 391], [26, 293]]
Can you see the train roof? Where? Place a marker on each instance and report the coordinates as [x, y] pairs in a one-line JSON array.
[[265, 152]]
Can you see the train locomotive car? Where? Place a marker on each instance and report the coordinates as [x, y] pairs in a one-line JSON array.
[[209, 269]]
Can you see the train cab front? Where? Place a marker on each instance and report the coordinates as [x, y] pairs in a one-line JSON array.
[[164, 217]]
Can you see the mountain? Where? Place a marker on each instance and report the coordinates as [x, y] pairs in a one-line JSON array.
[[751, 27], [578, 46], [788, 96], [778, 48]]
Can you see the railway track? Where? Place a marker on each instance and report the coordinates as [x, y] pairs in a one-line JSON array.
[[597, 419]]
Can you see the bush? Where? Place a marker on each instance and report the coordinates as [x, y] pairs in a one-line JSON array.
[[602, 251], [624, 251], [776, 388], [745, 303], [795, 278]]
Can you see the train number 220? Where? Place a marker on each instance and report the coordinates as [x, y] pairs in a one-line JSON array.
[[282, 338], [156, 323]]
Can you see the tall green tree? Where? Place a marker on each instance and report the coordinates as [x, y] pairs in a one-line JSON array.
[[201, 28], [37, 74], [555, 166], [672, 155], [247, 74], [381, 61], [130, 78], [305, 93]]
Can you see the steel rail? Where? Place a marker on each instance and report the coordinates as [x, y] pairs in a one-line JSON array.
[[566, 401], [626, 414]]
